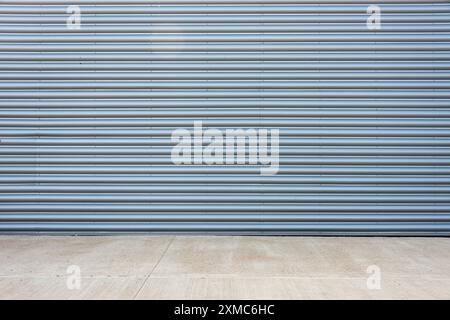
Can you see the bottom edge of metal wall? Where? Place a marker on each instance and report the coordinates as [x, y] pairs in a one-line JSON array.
[[378, 228], [225, 233]]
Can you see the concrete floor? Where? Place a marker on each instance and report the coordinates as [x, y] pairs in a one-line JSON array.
[[182, 267]]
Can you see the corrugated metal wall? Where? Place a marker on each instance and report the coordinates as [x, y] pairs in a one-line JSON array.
[[86, 115]]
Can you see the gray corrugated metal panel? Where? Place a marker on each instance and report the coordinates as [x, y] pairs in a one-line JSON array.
[[371, 158]]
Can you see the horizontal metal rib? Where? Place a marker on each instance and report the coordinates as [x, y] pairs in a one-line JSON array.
[[298, 198], [231, 123], [134, 94], [225, 38], [195, 113], [242, 9], [177, 188], [83, 166], [242, 179], [242, 85], [155, 160], [214, 56], [287, 132], [254, 66], [387, 142], [189, 207], [206, 28], [193, 47], [213, 104], [219, 75], [187, 217], [106, 18]]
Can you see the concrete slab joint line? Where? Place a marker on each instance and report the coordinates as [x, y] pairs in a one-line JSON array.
[[153, 269]]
